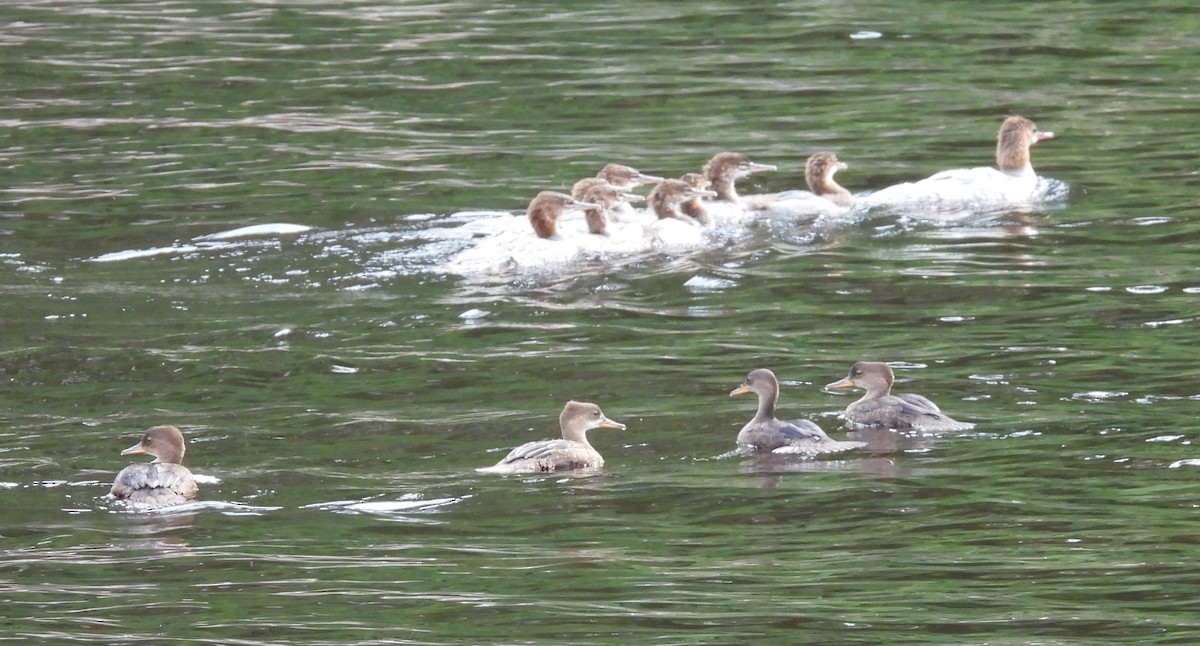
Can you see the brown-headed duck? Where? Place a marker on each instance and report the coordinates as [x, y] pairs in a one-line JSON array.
[[694, 208], [545, 208], [666, 198], [160, 483], [823, 197], [606, 198], [573, 451], [879, 407], [1013, 180], [767, 433]]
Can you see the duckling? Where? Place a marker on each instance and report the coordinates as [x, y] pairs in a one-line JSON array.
[[694, 206], [626, 177], [620, 176], [726, 168], [545, 208], [606, 197], [666, 199]]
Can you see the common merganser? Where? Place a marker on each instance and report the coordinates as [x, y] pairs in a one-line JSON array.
[[160, 483], [607, 197], [724, 169], [666, 198], [878, 407], [823, 197], [626, 177], [766, 433], [1013, 181], [722, 172], [573, 451], [545, 208], [621, 176], [694, 207]]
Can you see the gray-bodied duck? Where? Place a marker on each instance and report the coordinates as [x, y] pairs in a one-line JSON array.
[[160, 483], [573, 451], [879, 407], [767, 433]]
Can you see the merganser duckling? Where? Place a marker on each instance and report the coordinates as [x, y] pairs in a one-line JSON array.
[[694, 207], [1012, 181], [606, 197], [545, 208], [623, 177], [160, 483], [666, 198], [626, 177], [878, 407], [766, 433], [573, 451], [724, 169], [819, 170], [823, 197]]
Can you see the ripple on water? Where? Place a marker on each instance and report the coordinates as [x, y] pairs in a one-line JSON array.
[[399, 510], [1146, 289]]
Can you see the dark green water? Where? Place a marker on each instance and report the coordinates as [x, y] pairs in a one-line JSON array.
[[341, 391]]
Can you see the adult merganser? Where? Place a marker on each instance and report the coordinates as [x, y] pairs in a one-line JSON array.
[[766, 433], [607, 197], [160, 483], [1013, 181], [545, 208], [878, 407], [823, 197], [573, 451], [694, 207]]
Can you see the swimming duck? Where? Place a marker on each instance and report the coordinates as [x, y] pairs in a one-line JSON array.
[[724, 169], [694, 207], [626, 177], [160, 483], [666, 198], [623, 177], [606, 197], [1012, 181], [545, 208], [766, 433], [573, 451], [722, 172], [878, 407], [823, 197]]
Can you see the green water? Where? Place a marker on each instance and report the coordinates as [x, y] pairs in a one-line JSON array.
[[342, 389]]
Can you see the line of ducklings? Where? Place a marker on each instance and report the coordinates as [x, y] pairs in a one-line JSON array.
[[165, 481], [607, 197], [698, 199]]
